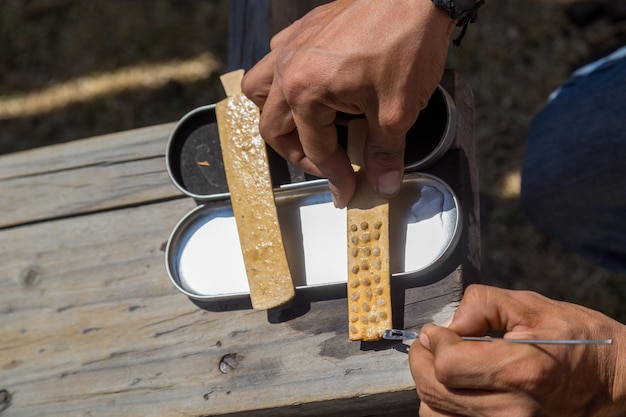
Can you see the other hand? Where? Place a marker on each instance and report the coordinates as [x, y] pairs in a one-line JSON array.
[[463, 378]]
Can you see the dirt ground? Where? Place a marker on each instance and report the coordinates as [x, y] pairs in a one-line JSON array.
[[71, 69]]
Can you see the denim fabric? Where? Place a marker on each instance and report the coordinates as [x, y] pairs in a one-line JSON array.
[[574, 174], [248, 33]]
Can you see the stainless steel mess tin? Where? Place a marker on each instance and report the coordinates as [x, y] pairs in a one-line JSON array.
[[204, 260]]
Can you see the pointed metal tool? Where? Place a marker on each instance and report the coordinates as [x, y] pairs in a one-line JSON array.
[[395, 334]]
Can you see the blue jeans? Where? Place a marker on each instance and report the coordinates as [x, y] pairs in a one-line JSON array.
[[574, 174]]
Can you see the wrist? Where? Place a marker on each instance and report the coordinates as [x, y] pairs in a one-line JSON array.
[[436, 16]]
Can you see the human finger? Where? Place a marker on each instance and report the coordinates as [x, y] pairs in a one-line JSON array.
[[434, 396], [427, 411], [257, 81], [495, 365], [523, 314], [318, 137], [278, 129], [384, 157], [486, 308], [441, 355], [390, 113], [441, 398], [432, 393]]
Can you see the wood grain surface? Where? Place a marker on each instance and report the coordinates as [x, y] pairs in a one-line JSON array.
[[91, 326]]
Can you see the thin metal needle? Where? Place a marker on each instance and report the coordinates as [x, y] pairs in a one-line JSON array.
[[395, 334]]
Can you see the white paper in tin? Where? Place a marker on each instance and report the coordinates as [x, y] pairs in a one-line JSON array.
[[211, 263]]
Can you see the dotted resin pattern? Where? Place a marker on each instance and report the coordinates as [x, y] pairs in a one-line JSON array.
[[369, 300]]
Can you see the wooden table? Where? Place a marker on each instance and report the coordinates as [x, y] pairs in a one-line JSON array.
[[90, 325]]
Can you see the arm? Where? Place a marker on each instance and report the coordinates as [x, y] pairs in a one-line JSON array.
[[508, 379], [383, 59]]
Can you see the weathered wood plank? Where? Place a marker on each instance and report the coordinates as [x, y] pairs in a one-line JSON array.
[[101, 173], [93, 258], [136, 355], [105, 150], [460, 170], [464, 98], [98, 327], [100, 333], [81, 348]]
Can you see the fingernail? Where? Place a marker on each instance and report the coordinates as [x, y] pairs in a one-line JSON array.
[[389, 183], [424, 341]]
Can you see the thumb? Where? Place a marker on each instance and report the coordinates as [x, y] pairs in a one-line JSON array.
[[431, 336], [384, 159]]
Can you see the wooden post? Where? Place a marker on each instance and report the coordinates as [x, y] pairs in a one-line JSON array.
[[252, 23], [248, 33]]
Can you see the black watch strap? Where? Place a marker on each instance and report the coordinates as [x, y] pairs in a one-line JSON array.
[[466, 11]]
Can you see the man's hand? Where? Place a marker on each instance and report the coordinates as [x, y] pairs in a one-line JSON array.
[[461, 378], [383, 59]]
